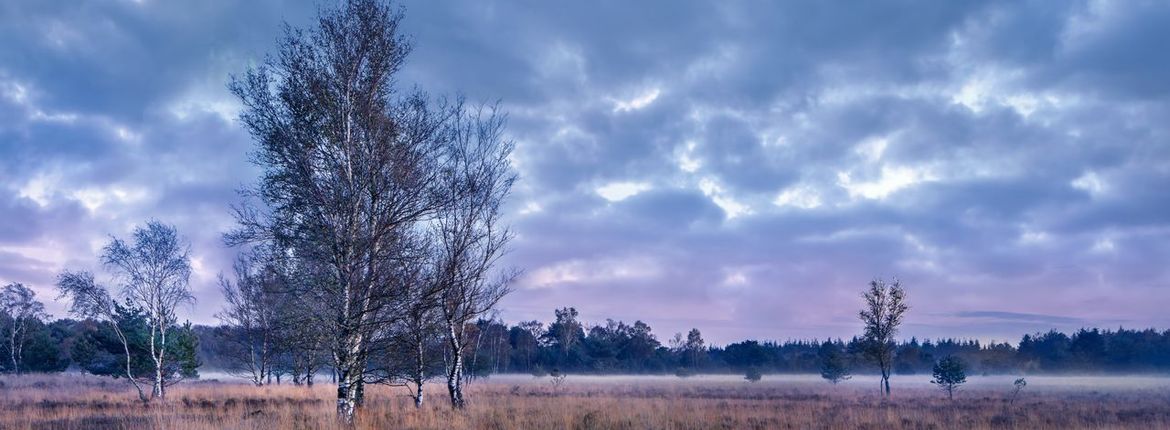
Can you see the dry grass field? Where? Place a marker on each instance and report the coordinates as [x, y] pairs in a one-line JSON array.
[[507, 402]]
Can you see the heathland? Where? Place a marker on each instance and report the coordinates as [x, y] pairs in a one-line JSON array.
[[602, 402]]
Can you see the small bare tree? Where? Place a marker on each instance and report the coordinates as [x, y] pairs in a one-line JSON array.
[[529, 341], [557, 379], [885, 305], [154, 271], [302, 340], [90, 300], [1017, 386], [409, 352], [420, 331], [251, 317], [18, 304]]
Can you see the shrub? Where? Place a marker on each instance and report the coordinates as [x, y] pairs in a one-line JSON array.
[[753, 374], [1019, 386], [833, 367], [558, 379], [949, 374]]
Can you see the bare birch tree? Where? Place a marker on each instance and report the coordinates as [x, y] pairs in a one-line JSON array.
[[885, 305], [413, 353], [303, 343], [251, 316], [154, 271], [420, 331], [18, 304], [469, 233]]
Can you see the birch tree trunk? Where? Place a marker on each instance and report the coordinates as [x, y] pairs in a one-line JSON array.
[[346, 396], [419, 371], [12, 346], [455, 372], [129, 372], [157, 357], [351, 369]]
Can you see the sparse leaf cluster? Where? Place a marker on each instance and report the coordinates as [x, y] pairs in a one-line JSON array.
[[885, 307]]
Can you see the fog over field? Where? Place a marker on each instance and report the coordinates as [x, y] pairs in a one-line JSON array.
[[916, 383], [989, 383], [622, 402]]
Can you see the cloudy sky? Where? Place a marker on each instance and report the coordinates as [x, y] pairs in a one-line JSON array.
[[740, 167]]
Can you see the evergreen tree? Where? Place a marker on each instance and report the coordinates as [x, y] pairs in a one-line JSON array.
[[833, 366], [949, 374]]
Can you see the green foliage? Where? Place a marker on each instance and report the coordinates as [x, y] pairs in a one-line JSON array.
[[182, 351], [41, 350], [99, 350], [565, 336], [748, 353], [949, 374], [753, 374], [833, 366]]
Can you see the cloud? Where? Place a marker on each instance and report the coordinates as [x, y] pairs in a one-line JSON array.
[[739, 167], [1019, 317]]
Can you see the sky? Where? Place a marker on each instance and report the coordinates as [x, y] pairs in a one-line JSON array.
[[740, 167]]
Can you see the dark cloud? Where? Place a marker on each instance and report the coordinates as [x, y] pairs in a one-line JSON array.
[[742, 168], [1019, 317]]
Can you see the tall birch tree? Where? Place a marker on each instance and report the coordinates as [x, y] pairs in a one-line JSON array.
[[351, 168], [470, 236]]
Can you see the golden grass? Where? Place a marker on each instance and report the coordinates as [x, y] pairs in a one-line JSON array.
[[81, 402]]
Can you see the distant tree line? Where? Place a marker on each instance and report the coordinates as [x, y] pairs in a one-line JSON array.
[[571, 346], [40, 345], [614, 347]]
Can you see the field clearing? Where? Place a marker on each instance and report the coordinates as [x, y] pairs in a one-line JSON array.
[[603, 402]]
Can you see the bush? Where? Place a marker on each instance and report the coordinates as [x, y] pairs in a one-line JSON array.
[[558, 379], [753, 374], [833, 367], [949, 374], [1018, 386]]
